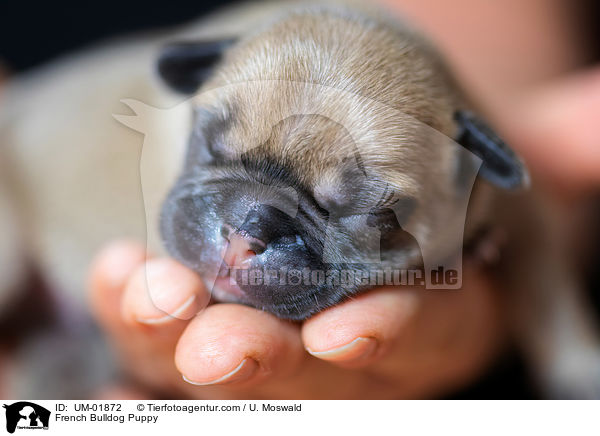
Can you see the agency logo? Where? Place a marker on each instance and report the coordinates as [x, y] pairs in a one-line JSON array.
[[26, 415]]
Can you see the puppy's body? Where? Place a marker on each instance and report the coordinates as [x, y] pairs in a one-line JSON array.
[[75, 170]]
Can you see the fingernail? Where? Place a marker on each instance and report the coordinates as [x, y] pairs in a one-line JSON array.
[[242, 372], [177, 313], [359, 348]]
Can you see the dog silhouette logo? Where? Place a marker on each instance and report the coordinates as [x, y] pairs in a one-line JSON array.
[[26, 415]]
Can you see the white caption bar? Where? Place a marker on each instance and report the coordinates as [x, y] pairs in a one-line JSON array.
[[300, 417]]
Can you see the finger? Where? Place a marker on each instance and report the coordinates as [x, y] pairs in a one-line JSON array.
[[357, 332], [145, 350], [109, 274], [555, 129], [238, 346], [161, 292]]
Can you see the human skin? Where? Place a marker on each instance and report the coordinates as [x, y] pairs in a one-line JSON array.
[[521, 63], [387, 343]]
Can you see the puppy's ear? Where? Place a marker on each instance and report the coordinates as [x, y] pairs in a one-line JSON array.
[[500, 166], [185, 65]]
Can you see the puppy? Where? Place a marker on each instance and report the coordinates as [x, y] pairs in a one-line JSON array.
[[327, 140]]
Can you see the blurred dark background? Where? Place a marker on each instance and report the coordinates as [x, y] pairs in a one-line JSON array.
[[34, 33]]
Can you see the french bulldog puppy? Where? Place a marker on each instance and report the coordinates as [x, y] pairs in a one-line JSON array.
[[327, 139]]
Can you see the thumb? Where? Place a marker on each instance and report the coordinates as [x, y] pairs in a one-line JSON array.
[[557, 130]]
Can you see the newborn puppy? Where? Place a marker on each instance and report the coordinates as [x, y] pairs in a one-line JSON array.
[[271, 186], [359, 173], [328, 140]]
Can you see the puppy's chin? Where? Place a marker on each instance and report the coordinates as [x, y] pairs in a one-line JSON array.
[[295, 300], [226, 290]]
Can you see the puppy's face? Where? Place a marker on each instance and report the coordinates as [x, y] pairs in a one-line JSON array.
[[293, 192], [275, 206]]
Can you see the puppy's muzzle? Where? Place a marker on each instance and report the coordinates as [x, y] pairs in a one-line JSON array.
[[263, 226]]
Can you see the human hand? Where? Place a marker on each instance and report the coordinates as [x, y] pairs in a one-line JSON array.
[[387, 343], [555, 127]]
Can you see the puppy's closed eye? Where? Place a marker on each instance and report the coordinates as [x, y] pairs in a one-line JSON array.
[[207, 142], [392, 217]]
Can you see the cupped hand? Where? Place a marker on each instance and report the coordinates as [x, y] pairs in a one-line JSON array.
[[386, 343]]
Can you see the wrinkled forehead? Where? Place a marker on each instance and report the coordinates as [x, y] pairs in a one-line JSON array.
[[330, 136]]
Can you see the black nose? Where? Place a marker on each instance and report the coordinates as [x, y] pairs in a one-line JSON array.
[[267, 224]]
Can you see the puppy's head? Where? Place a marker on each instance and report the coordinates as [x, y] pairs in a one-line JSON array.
[[320, 147]]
